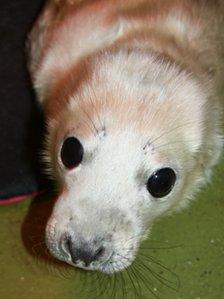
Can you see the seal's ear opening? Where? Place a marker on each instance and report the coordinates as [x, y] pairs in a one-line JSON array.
[[21, 122]]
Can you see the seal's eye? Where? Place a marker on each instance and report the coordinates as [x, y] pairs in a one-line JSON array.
[[161, 182], [71, 152]]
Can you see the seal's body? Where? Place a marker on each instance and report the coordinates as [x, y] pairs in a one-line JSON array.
[[129, 89]]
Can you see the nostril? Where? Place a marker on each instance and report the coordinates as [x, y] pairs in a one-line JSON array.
[[68, 247], [68, 244], [65, 244], [99, 252]]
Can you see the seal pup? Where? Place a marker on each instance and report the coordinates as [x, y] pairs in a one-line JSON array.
[[129, 90]]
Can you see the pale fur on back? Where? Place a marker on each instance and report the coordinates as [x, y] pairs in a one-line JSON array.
[[135, 78]]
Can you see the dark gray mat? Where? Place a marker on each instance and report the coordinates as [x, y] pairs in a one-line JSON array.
[[21, 122]]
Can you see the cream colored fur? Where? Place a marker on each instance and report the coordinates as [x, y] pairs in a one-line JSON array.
[[138, 83]]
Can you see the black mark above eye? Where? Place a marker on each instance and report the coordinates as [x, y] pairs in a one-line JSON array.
[[71, 152], [161, 182]]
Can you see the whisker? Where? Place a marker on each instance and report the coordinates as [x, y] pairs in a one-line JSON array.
[[113, 294], [94, 106], [172, 130], [155, 261], [112, 279], [92, 122], [173, 285], [145, 281], [131, 268], [160, 278], [125, 285], [104, 282], [93, 126], [132, 283], [175, 142], [92, 281], [159, 248]]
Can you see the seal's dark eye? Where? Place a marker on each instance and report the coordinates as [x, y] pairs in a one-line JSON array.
[[161, 182], [71, 152]]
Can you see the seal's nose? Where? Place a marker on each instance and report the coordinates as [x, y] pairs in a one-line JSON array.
[[86, 252]]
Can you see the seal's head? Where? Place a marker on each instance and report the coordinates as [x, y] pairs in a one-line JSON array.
[[130, 138]]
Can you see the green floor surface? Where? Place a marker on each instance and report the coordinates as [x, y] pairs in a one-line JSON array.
[[188, 247]]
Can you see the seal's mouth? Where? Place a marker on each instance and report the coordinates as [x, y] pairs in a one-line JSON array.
[[84, 255], [107, 266], [115, 263]]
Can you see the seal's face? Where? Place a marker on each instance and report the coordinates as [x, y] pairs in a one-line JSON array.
[[109, 190], [123, 155]]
